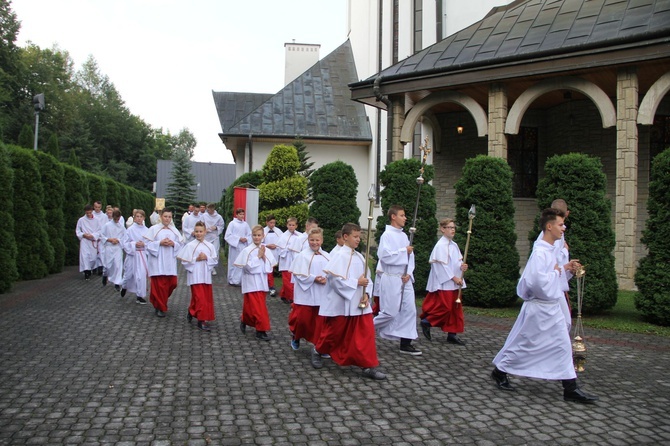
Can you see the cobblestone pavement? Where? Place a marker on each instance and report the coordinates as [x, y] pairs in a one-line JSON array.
[[81, 365]]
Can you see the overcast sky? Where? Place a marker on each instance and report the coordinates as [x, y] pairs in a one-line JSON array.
[[166, 56]]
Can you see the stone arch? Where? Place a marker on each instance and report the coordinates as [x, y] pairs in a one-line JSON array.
[[433, 99], [652, 100], [589, 89]]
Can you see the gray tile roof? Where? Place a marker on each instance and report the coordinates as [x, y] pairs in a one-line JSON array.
[[317, 104], [212, 177], [531, 28], [232, 107]]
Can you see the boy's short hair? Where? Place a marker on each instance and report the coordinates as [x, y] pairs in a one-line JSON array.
[[116, 214], [239, 211], [292, 220], [257, 228], [445, 221], [315, 231], [164, 210], [348, 228], [393, 210], [211, 206], [312, 220], [549, 215], [88, 207], [269, 217], [138, 211], [200, 223], [338, 234]]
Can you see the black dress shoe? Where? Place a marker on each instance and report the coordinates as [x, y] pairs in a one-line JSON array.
[[189, 318], [262, 336], [425, 328], [578, 396], [501, 380], [117, 287], [159, 313], [453, 339], [243, 327], [203, 326], [104, 280], [123, 292]]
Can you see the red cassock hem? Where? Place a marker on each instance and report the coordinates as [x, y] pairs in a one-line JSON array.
[[287, 287], [161, 290], [441, 310], [202, 302], [349, 340], [271, 280], [304, 322], [255, 311]]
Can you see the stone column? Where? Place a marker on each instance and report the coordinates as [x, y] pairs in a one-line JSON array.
[[626, 177], [398, 120], [497, 119]]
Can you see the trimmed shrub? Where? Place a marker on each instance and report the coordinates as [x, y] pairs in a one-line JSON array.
[[283, 191], [96, 189], [76, 193], [492, 256], [37, 254], [400, 187], [113, 194], [653, 275], [53, 183], [8, 249], [334, 187], [580, 181]]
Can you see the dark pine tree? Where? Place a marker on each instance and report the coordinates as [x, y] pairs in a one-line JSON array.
[[181, 189]]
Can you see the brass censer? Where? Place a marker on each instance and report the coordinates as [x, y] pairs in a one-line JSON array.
[[578, 344]]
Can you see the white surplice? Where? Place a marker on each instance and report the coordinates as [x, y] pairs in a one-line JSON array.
[[286, 254], [254, 270], [135, 267], [236, 230], [397, 305], [445, 264], [162, 259], [306, 266], [215, 225], [538, 346], [88, 249], [198, 271], [272, 237], [112, 255], [343, 293]]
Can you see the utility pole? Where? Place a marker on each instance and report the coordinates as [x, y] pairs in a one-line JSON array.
[[38, 103]]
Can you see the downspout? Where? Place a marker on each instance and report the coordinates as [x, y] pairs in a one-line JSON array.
[[389, 123], [380, 49], [251, 153]]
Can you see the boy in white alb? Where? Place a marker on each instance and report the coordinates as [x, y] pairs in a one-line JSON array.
[[199, 258], [271, 240], [163, 243], [135, 269], [214, 226], [286, 256], [111, 237], [88, 233], [238, 237]]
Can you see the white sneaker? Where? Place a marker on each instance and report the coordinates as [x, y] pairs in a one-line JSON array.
[[213, 272]]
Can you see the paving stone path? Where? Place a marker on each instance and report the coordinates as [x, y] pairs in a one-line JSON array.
[[81, 365]]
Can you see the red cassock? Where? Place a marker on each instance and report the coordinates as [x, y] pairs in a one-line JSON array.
[[304, 322], [441, 310], [202, 302], [349, 340], [255, 311], [271, 280], [161, 289], [287, 287]]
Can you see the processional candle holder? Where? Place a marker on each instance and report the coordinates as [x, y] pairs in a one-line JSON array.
[[363, 303], [578, 344]]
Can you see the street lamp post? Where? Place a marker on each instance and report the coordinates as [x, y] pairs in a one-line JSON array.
[[38, 104]]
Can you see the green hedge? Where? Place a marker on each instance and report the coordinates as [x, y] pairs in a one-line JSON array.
[[334, 188], [76, 191], [53, 183], [37, 254], [492, 257], [8, 249], [580, 181], [653, 275]]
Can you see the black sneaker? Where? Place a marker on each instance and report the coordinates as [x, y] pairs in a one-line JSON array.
[[104, 280], [87, 275], [139, 300], [453, 339], [117, 287], [409, 349], [373, 373], [316, 360], [262, 336], [123, 294]]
